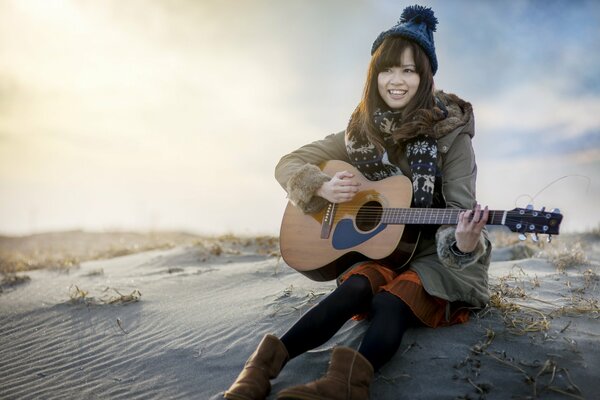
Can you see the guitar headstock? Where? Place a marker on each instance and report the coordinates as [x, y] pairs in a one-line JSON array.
[[528, 220]]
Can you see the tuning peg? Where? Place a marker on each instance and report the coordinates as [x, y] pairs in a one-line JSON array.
[[555, 210], [543, 209], [529, 207], [549, 238], [535, 237], [522, 236]]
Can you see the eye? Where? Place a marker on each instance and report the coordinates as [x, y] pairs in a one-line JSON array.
[[409, 70]]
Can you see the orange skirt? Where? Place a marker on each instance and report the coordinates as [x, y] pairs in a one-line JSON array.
[[406, 285]]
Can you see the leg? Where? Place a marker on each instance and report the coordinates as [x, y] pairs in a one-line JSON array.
[[390, 319], [322, 322]]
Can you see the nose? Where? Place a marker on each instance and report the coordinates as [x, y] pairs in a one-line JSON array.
[[396, 77]]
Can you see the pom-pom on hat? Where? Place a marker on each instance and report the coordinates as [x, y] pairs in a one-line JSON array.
[[417, 23]]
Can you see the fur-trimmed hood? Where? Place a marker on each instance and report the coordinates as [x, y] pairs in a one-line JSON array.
[[460, 114]]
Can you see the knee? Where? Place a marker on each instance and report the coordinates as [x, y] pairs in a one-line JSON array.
[[388, 304], [357, 285]]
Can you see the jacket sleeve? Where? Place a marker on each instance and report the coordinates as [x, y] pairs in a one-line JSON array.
[[459, 172], [298, 172]]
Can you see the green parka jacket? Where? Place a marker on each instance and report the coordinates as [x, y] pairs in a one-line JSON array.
[[444, 274]]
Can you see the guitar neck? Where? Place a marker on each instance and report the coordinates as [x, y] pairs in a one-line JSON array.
[[435, 216]]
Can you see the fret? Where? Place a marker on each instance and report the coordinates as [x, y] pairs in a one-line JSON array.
[[434, 216]]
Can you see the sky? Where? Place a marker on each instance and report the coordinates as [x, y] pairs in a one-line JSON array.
[[151, 115]]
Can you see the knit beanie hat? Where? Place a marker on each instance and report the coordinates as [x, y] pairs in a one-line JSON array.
[[417, 23]]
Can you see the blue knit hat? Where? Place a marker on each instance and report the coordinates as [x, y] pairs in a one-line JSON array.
[[417, 23]]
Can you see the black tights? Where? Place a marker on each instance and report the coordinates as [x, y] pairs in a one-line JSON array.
[[390, 317]]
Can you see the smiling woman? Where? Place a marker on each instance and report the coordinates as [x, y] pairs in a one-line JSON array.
[[402, 126]]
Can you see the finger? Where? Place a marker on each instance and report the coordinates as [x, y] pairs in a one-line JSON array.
[[468, 216], [477, 213], [341, 182], [462, 221], [345, 189], [349, 182], [479, 216], [344, 175], [344, 198], [345, 192], [465, 217], [484, 217]]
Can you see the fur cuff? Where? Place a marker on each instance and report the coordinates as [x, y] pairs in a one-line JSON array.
[[445, 237], [303, 185]]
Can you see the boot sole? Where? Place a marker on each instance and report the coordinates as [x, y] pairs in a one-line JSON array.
[[235, 396], [298, 396]]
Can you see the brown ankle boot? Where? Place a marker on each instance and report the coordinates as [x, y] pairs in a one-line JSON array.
[[264, 364], [348, 378]]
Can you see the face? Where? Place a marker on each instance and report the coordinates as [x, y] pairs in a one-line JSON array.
[[398, 85]]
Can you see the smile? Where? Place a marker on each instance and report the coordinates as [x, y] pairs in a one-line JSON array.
[[397, 92]]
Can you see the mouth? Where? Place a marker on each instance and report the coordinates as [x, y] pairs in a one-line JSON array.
[[397, 92]]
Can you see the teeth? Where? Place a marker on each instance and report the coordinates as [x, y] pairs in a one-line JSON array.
[[398, 92]]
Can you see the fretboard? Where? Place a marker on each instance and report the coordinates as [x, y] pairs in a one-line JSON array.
[[434, 216]]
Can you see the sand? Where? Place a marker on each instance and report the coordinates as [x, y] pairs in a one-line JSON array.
[[180, 322]]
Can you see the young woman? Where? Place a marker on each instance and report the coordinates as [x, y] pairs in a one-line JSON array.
[[401, 126]]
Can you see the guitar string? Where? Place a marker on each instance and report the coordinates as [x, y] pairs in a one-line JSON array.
[[375, 214], [363, 211], [344, 207], [431, 212], [526, 226], [427, 213]]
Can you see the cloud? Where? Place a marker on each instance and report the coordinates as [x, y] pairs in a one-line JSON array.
[[537, 118], [186, 106], [500, 45]]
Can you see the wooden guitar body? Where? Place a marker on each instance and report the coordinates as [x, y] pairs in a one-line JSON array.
[[356, 231]]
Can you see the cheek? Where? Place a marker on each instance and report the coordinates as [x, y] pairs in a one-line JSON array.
[[415, 83], [380, 86]]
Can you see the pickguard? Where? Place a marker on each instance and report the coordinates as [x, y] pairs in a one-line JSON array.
[[346, 236]]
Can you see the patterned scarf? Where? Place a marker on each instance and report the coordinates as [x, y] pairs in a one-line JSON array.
[[374, 163]]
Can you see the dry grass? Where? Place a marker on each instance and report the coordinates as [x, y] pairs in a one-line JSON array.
[[80, 296], [64, 250], [237, 245], [293, 300], [520, 319], [565, 251], [11, 280], [567, 257], [543, 377], [510, 294]]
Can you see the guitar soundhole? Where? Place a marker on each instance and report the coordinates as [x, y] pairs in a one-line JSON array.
[[369, 216]]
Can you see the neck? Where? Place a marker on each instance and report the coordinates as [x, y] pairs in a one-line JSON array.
[[434, 216]]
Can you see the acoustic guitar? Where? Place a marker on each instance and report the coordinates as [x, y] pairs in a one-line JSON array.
[[378, 224]]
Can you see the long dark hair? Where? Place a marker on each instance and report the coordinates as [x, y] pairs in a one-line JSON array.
[[419, 113]]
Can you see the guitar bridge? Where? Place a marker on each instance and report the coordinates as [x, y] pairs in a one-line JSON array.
[[327, 222]]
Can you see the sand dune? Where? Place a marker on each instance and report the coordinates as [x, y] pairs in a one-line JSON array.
[[180, 322]]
